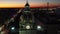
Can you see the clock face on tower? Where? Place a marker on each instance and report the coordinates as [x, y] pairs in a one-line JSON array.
[[28, 27]]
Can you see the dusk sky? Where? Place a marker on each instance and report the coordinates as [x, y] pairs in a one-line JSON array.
[[33, 3]]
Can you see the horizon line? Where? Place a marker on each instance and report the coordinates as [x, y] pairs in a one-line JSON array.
[[33, 7]]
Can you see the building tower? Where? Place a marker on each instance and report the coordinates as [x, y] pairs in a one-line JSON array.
[[47, 6], [26, 24]]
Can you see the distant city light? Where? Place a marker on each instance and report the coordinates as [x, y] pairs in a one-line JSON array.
[[2, 32], [12, 19], [0, 28], [58, 19], [27, 27], [13, 28]]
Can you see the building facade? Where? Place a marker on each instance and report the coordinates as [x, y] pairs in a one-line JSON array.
[[26, 25]]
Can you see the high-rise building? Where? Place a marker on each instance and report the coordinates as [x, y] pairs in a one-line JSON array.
[[26, 25]]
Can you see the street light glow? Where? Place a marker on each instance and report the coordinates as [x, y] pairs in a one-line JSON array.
[[13, 28], [38, 27]]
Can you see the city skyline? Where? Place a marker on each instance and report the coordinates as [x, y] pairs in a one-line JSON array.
[[33, 3]]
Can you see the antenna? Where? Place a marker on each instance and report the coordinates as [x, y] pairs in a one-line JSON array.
[[47, 5], [27, 1]]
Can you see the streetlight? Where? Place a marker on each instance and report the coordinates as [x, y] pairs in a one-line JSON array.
[[13, 28], [39, 27]]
